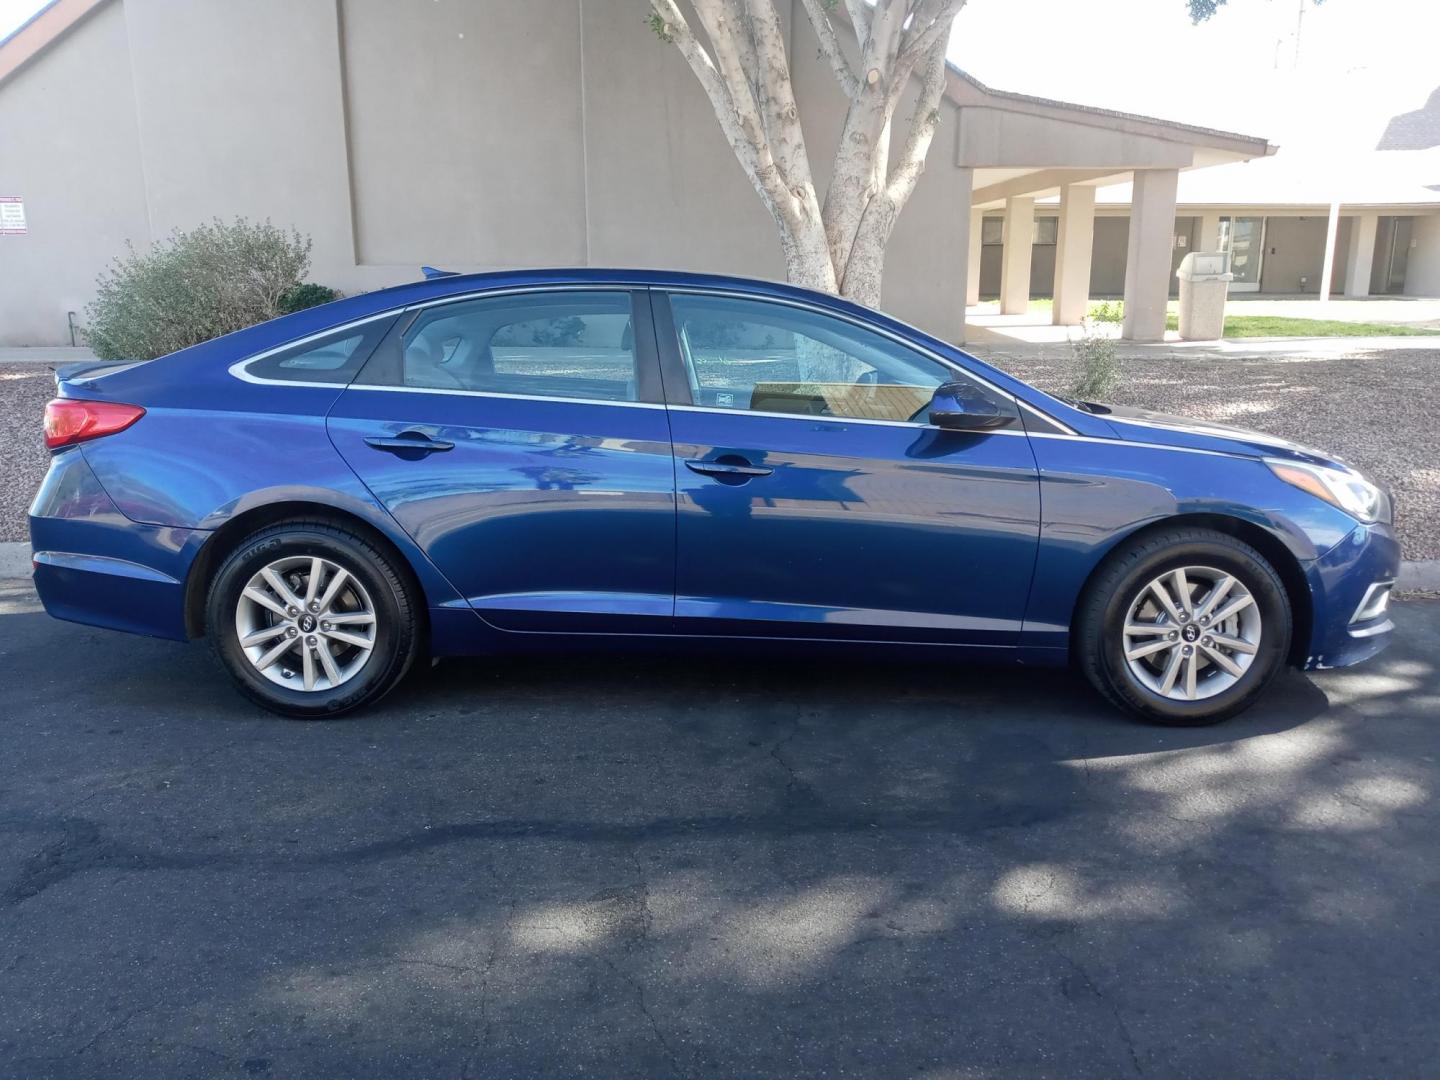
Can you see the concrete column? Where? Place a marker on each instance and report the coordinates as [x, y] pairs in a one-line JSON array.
[[1361, 255], [1209, 238], [1074, 243], [1147, 260], [1015, 259], [972, 278], [1327, 271]]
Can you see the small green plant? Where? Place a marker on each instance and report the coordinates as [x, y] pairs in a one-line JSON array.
[[1108, 311], [308, 295], [1098, 374], [193, 286]]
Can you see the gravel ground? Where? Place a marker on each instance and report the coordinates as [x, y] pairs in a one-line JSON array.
[[1378, 411], [24, 389]]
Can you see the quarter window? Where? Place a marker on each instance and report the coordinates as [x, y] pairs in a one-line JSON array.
[[763, 357], [564, 344], [333, 359]]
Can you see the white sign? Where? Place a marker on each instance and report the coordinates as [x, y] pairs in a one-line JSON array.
[[12, 216]]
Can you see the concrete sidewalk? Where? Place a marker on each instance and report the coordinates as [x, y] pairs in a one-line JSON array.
[[40, 354]]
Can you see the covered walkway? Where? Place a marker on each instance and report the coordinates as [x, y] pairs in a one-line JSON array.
[[1019, 149]]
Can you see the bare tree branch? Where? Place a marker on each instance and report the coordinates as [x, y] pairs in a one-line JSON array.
[[830, 46], [922, 128], [734, 107]]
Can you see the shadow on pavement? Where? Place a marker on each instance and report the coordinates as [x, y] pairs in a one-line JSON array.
[[626, 865]]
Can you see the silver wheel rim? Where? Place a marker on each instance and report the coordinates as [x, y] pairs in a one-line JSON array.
[[1191, 633], [306, 623]]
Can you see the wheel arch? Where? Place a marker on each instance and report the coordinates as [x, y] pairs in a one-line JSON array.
[[234, 531], [1276, 552]]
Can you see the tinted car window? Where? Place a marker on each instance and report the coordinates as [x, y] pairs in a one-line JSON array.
[[764, 357], [564, 344], [334, 359]]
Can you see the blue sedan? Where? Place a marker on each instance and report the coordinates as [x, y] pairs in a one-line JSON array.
[[556, 460]]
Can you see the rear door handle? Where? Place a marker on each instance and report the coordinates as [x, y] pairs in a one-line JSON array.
[[409, 442], [725, 468]]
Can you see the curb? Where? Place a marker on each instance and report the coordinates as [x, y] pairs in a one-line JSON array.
[[1415, 576], [14, 560]]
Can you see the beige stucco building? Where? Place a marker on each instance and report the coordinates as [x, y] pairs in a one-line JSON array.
[[496, 134]]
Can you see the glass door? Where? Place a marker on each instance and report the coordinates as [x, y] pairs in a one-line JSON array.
[[1244, 238]]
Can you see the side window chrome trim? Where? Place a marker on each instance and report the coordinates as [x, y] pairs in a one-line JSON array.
[[446, 392], [240, 369], [912, 424]]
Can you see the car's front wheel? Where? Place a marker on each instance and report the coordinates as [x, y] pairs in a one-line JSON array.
[[311, 620], [1186, 626]]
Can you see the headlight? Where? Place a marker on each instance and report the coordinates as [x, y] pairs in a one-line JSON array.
[[1349, 491]]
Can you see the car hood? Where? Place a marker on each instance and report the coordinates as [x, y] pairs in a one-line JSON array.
[[1165, 429]]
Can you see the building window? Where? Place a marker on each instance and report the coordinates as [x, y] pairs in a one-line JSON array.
[[1046, 229], [992, 230]]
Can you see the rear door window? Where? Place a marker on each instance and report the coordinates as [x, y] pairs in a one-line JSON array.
[[566, 344]]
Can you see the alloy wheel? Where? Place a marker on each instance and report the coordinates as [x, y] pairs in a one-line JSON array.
[[1191, 633], [306, 623]]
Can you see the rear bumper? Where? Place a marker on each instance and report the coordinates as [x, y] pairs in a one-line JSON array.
[[95, 566], [1344, 582]]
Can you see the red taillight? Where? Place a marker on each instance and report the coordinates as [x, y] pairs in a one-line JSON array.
[[68, 422]]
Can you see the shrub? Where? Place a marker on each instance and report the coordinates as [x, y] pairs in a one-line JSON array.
[[1099, 368], [193, 286], [299, 297], [1108, 311]]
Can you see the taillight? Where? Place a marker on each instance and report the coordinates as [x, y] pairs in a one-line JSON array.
[[68, 422]]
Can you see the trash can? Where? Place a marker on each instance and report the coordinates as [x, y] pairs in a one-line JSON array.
[[1204, 284]]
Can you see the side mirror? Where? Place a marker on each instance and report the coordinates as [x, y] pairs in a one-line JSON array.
[[956, 407]]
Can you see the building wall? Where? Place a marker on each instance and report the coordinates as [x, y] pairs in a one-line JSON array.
[[398, 133], [1422, 272], [1107, 261], [71, 148]]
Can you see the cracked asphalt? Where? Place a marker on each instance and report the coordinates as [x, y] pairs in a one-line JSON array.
[[717, 866]]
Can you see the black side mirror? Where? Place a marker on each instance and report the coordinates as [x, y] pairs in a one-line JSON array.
[[956, 407]]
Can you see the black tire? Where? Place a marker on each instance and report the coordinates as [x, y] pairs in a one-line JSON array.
[[396, 633], [1099, 647]]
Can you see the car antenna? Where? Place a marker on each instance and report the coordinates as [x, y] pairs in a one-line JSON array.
[[431, 273]]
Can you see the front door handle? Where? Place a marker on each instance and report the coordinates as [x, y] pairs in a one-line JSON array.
[[410, 442], [735, 469]]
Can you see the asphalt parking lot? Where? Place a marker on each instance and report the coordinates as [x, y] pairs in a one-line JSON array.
[[723, 867]]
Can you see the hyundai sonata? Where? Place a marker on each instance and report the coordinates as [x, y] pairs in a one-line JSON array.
[[564, 459]]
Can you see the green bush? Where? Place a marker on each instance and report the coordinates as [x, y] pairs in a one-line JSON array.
[[1108, 311], [308, 295], [1099, 368], [193, 286]]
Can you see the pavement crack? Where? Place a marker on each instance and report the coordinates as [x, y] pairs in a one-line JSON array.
[[1121, 1028], [797, 790]]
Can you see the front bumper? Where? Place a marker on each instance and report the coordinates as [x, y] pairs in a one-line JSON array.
[[95, 566], [1348, 624]]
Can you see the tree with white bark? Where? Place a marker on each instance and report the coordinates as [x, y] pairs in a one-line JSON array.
[[740, 58]]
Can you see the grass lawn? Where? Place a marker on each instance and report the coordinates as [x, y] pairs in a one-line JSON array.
[[1250, 326]]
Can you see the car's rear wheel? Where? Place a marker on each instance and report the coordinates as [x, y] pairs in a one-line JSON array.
[[312, 620], [1187, 626]]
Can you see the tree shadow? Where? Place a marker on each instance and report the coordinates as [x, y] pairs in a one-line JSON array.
[[626, 865]]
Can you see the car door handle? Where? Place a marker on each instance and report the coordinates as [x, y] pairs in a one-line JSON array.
[[725, 468], [412, 442]]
